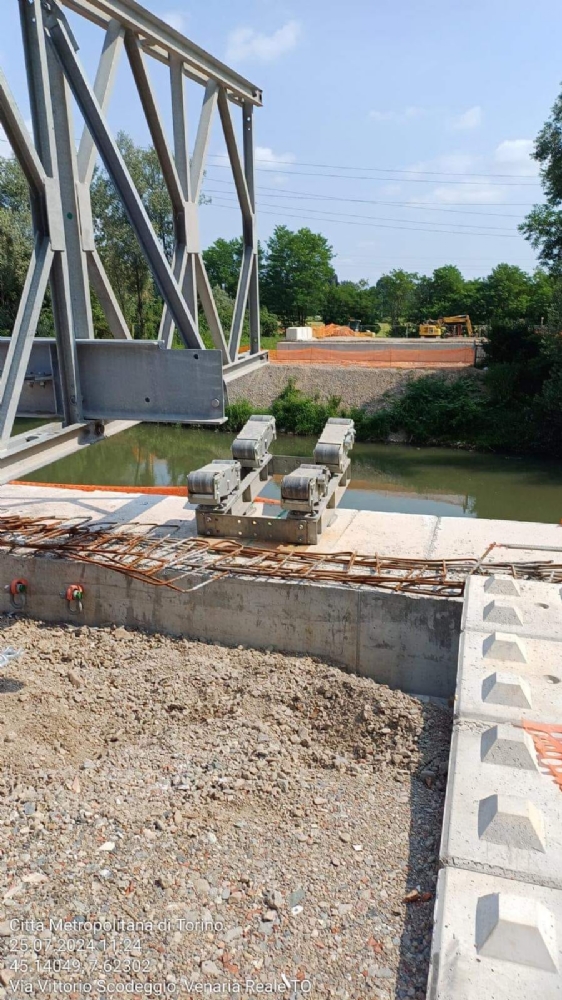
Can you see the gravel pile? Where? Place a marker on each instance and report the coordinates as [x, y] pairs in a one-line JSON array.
[[362, 387], [236, 821]]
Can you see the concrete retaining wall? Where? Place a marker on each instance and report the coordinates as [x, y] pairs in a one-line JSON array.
[[362, 387], [404, 641]]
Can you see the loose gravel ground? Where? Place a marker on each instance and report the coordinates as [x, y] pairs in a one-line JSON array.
[[368, 388], [238, 821]]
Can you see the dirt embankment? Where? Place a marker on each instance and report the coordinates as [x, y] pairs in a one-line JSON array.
[[361, 387], [275, 811]]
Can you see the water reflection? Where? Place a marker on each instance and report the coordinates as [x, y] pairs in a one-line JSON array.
[[398, 478]]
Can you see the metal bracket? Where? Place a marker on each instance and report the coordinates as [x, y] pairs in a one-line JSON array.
[[310, 492]]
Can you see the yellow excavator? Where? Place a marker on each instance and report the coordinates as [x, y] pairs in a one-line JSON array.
[[447, 326]]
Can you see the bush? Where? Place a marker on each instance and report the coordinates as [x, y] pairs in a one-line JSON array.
[[237, 414], [296, 413], [269, 323]]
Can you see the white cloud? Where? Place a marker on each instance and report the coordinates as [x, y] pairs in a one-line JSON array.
[[266, 158], [176, 19], [448, 163], [382, 116], [463, 165], [514, 155], [388, 116], [469, 119], [246, 43], [466, 194]]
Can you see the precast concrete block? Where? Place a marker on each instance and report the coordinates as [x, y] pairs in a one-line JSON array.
[[495, 939], [504, 646], [299, 333], [508, 746], [504, 586], [509, 690], [503, 812], [522, 607]]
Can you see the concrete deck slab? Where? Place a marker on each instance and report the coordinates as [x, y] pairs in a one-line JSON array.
[[499, 819], [366, 532], [509, 690], [529, 609], [495, 939], [369, 532], [464, 536]]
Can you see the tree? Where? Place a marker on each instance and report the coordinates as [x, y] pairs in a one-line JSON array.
[[296, 273], [117, 244], [222, 260], [16, 242], [507, 294], [351, 301], [448, 291], [396, 293], [543, 225]]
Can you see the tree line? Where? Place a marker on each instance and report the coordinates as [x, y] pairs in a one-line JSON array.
[[298, 278]]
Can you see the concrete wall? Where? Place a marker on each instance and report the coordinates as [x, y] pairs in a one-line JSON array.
[[362, 387], [397, 639]]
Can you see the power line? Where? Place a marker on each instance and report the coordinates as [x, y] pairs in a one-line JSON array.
[[350, 215], [385, 170], [380, 180], [378, 225], [305, 195]]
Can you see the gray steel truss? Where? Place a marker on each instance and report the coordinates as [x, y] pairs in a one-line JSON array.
[[76, 377]]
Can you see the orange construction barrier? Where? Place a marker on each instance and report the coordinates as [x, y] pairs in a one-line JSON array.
[[166, 491], [332, 330], [169, 491], [548, 744], [382, 357]]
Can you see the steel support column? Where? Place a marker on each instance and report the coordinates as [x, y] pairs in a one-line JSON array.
[[43, 127], [254, 295]]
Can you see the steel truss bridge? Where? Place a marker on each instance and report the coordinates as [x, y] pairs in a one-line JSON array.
[[93, 387]]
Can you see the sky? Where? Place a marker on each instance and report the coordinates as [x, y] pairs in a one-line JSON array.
[[400, 131]]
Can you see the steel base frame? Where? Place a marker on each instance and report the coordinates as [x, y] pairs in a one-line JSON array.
[[239, 517]]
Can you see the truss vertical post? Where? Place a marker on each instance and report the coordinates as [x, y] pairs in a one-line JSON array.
[[87, 153], [68, 181], [254, 295], [247, 211], [37, 68]]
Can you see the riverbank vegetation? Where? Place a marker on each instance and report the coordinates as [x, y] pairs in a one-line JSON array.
[[512, 406]]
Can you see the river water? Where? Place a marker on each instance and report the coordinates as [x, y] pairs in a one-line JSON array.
[[397, 478]]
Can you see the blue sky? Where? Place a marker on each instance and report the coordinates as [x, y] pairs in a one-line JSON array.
[[401, 131]]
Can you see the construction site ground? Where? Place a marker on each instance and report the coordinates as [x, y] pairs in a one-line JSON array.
[[282, 817]]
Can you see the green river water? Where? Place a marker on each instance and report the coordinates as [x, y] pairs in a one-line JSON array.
[[397, 478]]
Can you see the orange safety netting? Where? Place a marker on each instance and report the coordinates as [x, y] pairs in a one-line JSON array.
[[332, 330], [548, 744], [384, 357]]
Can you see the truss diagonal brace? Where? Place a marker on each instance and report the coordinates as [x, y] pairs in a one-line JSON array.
[[21, 341], [154, 121], [236, 163], [117, 170], [108, 300], [103, 86], [202, 138], [19, 139]]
